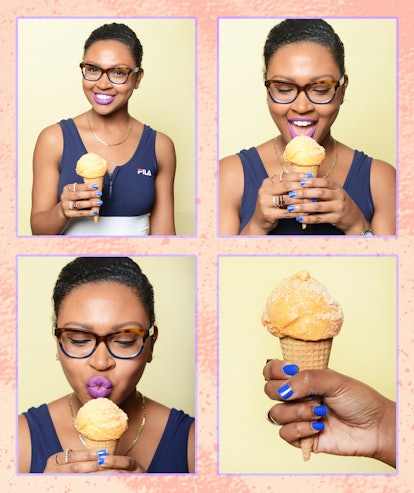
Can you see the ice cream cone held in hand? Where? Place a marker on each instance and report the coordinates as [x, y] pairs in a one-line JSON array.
[[305, 317], [92, 168], [305, 155], [100, 423]]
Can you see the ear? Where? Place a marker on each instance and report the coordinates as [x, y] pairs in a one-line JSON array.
[[140, 75], [343, 88], [152, 341]]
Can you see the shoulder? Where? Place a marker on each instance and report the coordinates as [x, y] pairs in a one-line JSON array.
[[163, 142], [51, 135], [231, 165]]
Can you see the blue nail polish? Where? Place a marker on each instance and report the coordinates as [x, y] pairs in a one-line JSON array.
[[292, 194], [95, 186], [99, 202], [290, 370], [285, 391], [102, 453], [299, 219], [291, 208], [99, 193], [309, 175], [101, 460], [313, 200], [303, 182], [319, 410], [318, 425]]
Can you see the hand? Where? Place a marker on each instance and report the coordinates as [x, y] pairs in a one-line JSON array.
[[90, 461], [80, 200], [325, 201], [359, 421], [273, 199]]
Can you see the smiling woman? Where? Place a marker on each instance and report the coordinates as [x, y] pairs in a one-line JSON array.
[[260, 191]]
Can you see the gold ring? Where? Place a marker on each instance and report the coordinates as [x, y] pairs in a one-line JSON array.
[[281, 175], [67, 452], [74, 187], [71, 205], [271, 420], [274, 201], [56, 460]]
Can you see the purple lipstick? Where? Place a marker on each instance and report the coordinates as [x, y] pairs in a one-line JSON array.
[[99, 387]]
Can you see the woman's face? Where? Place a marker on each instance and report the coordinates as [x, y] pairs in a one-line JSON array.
[[104, 96], [301, 64], [104, 307]]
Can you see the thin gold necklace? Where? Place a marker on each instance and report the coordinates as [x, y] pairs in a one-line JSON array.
[[102, 141], [140, 428], [280, 161]]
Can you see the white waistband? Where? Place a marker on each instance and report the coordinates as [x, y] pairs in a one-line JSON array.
[[109, 226]]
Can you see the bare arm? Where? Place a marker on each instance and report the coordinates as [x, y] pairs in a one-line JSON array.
[[24, 445], [231, 192], [191, 449], [162, 214], [383, 189]]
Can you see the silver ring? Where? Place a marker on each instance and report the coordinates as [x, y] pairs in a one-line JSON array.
[[69, 189], [67, 452], [281, 202], [74, 187], [281, 175], [75, 205], [274, 201], [71, 205], [271, 420], [56, 456]]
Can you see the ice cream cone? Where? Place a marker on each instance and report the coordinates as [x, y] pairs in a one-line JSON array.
[[308, 355], [108, 445], [98, 181]]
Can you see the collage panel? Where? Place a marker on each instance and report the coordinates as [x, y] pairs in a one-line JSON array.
[[267, 301], [304, 106], [126, 304], [128, 117]]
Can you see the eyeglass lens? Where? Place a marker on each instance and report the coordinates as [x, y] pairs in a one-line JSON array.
[[284, 92], [117, 75], [81, 344]]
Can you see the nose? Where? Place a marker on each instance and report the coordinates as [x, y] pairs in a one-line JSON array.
[[302, 103], [104, 82], [101, 359]]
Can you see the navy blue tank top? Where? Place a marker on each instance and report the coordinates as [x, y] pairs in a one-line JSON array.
[[357, 185], [130, 189], [170, 457]]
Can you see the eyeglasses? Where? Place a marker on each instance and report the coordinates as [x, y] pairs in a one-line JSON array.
[[116, 75], [123, 344], [321, 92]]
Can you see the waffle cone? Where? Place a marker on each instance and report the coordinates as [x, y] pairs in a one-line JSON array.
[[98, 181], [308, 355], [108, 445], [314, 168]]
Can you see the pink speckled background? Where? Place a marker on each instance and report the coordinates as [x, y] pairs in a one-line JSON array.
[[207, 246]]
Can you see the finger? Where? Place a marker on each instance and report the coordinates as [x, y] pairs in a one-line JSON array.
[[297, 412], [117, 462], [276, 369], [293, 432], [84, 204]]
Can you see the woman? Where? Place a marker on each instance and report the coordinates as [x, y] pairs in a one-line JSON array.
[[137, 196], [354, 419], [107, 297], [259, 194]]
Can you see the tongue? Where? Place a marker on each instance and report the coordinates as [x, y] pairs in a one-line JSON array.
[[99, 387]]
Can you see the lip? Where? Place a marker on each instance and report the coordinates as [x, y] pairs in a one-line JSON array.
[[302, 126], [103, 98], [99, 387]]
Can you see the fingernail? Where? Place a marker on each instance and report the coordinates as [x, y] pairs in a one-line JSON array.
[[292, 194], [291, 208], [101, 461], [95, 186], [290, 369], [99, 202], [95, 213], [102, 453], [319, 410], [309, 175], [318, 425], [313, 200], [99, 193], [285, 391], [303, 182], [299, 219]]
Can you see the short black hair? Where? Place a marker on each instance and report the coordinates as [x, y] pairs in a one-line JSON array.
[[304, 30], [117, 32], [123, 270]]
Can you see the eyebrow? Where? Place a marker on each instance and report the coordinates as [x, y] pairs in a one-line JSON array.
[[284, 78], [88, 327]]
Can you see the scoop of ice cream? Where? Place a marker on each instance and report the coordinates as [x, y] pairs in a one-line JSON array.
[[101, 419], [304, 151], [91, 165], [300, 307], [99, 387]]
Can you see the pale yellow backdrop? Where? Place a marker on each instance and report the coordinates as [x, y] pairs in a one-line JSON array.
[[367, 120], [365, 349], [50, 89], [169, 378]]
